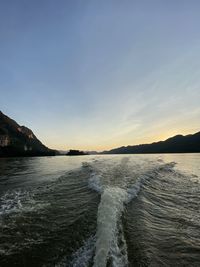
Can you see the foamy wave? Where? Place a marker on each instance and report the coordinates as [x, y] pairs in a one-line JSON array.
[[132, 192], [95, 183], [110, 241], [18, 201], [109, 212], [118, 250], [113, 199], [82, 257]]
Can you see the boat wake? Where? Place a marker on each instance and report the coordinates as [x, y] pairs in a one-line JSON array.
[[109, 212], [118, 184]]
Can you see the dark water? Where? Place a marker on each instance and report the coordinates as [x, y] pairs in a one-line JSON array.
[[137, 210]]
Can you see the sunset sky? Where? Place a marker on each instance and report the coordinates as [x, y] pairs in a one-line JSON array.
[[95, 75]]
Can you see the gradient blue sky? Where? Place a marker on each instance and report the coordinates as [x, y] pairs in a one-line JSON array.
[[101, 74]]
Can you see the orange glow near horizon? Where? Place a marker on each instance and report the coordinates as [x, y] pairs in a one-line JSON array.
[[145, 140]]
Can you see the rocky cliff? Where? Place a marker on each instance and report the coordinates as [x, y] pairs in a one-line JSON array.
[[16, 140]]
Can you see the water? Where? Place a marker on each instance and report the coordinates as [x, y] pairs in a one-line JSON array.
[[98, 211]]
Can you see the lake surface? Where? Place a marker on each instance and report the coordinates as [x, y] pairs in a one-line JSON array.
[[112, 210]]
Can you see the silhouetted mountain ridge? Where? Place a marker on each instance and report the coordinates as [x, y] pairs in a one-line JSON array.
[[176, 144], [16, 140]]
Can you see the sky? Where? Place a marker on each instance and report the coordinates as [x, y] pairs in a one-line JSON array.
[[94, 75]]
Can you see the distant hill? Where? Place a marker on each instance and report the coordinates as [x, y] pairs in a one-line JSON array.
[[73, 152], [16, 140], [177, 144]]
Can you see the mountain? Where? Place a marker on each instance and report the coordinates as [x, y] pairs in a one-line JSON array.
[[177, 144], [16, 140]]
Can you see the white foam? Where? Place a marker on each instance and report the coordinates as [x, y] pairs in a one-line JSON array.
[[95, 183], [118, 253], [19, 201], [83, 255], [11, 202], [135, 189], [109, 211], [118, 185], [113, 199]]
